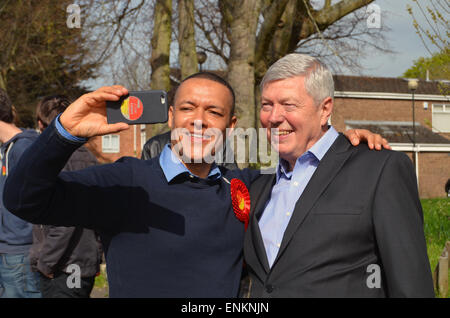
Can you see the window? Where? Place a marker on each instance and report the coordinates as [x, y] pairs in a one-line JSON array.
[[441, 118], [143, 136], [111, 143]]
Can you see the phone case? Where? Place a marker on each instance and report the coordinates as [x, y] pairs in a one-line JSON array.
[[139, 107]]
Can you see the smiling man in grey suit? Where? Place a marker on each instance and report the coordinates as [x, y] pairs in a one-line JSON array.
[[335, 220]]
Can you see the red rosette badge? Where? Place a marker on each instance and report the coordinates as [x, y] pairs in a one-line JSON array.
[[240, 197]]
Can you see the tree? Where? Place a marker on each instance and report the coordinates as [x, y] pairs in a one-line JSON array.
[[186, 38], [161, 39], [39, 54], [242, 38], [436, 29], [242, 21], [252, 35], [436, 67], [434, 34], [160, 58]]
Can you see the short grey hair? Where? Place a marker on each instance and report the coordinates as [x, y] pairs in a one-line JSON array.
[[319, 82]]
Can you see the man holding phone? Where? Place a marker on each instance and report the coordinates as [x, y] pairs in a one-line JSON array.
[[166, 224]]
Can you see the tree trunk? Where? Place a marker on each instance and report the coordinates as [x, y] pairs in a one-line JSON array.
[[159, 61], [186, 38], [242, 19], [272, 19], [3, 81], [241, 72], [282, 35]]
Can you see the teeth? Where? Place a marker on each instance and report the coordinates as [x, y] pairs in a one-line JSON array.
[[200, 136], [283, 132]]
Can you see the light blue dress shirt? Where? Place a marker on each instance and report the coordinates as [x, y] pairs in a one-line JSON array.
[[172, 166], [286, 192], [66, 134]]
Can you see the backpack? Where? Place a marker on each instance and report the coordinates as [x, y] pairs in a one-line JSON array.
[[5, 165]]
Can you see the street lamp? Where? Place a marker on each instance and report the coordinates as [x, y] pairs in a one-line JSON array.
[[201, 58], [412, 86]]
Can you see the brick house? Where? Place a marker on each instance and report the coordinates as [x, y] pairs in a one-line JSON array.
[[109, 148], [384, 105]]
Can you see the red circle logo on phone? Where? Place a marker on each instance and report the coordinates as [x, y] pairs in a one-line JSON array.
[[132, 108]]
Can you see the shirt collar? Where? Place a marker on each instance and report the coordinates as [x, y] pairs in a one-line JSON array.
[[320, 148], [318, 151], [172, 166]]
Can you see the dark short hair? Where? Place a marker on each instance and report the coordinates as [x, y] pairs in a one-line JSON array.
[[212, 77], [49, 107], [6, 107]]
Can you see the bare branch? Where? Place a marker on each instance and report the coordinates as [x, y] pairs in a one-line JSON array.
[[271, 19], [328, 15], [200, 23]]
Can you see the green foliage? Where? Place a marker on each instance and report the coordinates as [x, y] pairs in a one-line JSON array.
[[436, 213], [39, 54], [435, 31], [101, 288], [101, 281], [434, 34], [438, 66]]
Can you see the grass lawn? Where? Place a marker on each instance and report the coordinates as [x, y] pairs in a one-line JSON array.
[[101, 281], [101, 284], [436, 214]]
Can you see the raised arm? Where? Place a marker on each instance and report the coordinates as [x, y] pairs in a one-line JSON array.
[[36, 190]]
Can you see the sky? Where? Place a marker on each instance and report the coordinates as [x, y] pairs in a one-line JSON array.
[[402, 39]]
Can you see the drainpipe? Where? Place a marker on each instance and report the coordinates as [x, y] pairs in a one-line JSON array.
[[134, 140], [416, 156]]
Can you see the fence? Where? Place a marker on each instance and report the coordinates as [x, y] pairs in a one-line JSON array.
[[440, 274]]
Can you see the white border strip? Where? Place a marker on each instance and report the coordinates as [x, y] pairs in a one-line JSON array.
[[372, 95], [421, 147]]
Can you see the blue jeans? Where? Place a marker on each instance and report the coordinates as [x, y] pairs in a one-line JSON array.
[[17, 280]]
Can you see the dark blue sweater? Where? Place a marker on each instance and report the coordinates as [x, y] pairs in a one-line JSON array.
[[177, 239]]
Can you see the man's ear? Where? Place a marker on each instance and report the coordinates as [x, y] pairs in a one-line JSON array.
[[232, 124], [170, 120], [326, 109], [41, 125]]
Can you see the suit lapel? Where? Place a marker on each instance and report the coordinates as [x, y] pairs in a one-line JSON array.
[[326, 171], [262, 195]]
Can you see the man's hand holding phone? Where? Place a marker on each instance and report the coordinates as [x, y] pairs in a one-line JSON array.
[[86, 117], [139, 107]]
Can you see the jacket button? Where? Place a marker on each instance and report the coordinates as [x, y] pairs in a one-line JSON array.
[[269, 288]]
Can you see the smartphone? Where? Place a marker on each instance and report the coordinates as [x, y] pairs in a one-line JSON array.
[[139, 107]]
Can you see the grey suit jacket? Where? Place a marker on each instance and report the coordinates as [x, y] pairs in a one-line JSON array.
[[356, 231]]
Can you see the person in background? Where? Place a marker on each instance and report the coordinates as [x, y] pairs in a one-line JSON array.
[[56, 248], [17, 280]]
